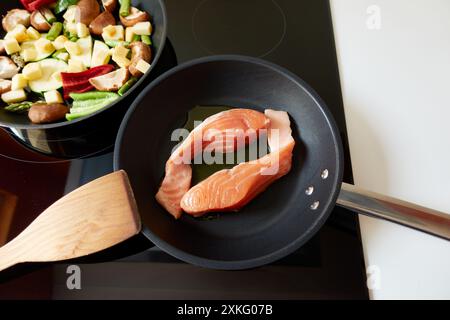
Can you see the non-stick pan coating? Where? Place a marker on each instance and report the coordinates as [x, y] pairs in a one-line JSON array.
[[279, 220]]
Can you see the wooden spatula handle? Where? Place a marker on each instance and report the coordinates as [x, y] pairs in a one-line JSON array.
[[92, 218]]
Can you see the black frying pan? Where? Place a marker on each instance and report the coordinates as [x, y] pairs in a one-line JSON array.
[[290, 211], [91, 134]]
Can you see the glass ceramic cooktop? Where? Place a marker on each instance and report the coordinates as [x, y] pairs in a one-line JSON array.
[[292, 33]]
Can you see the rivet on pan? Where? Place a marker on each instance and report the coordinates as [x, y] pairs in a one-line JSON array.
[[315, 205], [309, 191], [324, 174]]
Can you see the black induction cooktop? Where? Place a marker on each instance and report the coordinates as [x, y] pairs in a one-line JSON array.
[[296, 34]]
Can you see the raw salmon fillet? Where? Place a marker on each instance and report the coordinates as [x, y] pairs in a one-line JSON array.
[[220, 132], [231, 189]]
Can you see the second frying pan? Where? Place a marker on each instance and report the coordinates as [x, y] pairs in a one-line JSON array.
[[291, 210]]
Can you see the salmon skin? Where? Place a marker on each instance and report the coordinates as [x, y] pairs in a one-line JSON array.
[[231, 189], [220, 132]]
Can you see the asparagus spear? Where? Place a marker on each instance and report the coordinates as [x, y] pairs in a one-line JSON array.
[[127, 86], [21, 107]]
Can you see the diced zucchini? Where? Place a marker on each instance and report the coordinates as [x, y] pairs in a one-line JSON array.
[[49, 79], [19, 82], [100, 55], [14, 96]]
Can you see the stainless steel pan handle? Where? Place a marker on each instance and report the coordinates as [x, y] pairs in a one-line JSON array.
[[401, 212]]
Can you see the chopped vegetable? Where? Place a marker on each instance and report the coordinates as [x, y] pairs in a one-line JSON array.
[[85, 56], [109, 5], [15, 17], [140, 52], [125, 7], [29, 54], [8, 68], [114, 43], [135, 37], [101, 54], [29, 49], [134, 17], [11, 46], [147, 40], [75, 66], [59, 42], [5, 85], [50, 78], [61, 54], [55, 31], [53, 96], [32, 71], [112, 81], [39, 22], [143, 28], [79, 82], [72, 48], [102, 21], [113, 33], [32, 5], [68, 44], [143, 66], [19, 33], [21, 107], [48, 15], [92, 95], [42, 112], [33, 34], [127, 86], [87, 103], [18, 60], [14, 96], [62, 5], [82, 30], [87, 11], [19, 82]]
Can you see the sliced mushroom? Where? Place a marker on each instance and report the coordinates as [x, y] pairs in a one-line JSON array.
[[134, 17], [103, 20], [15, 17], [87, 11], [109, 5], [42, 112], [5, 86], [139, 50], [2, 47], [39, 22], [47, 13], [112, 81], [8, 68]]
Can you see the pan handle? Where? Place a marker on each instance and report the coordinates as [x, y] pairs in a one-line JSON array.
[[401, 212]]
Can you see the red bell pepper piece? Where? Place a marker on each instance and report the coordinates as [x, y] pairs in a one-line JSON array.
[[32, 5], [79, 81]]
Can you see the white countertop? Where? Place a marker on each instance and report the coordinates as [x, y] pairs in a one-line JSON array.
[[396, 89]]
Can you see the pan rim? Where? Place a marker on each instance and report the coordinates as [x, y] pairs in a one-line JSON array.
[[302, 238], [64, 124]]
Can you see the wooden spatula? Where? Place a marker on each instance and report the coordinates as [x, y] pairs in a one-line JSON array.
[[92, 218]]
